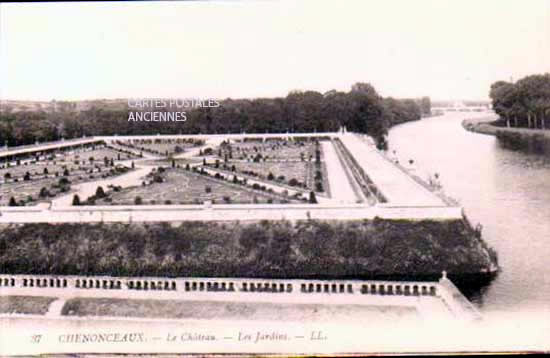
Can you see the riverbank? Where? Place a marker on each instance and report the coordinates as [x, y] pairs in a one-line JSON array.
[[530, 140], [483, 125]]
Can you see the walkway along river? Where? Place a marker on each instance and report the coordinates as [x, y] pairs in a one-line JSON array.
[[507, 192]]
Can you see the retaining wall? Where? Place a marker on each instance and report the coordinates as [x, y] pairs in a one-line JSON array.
[[223, 212]]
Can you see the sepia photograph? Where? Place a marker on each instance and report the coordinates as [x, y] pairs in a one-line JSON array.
[[274, 178]]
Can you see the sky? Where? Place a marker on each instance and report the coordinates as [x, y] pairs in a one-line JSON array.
[[218, 49]]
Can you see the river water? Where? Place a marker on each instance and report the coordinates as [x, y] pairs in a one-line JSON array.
[[508, 192]]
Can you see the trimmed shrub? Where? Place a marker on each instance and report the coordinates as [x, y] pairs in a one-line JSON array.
[[76, 200]]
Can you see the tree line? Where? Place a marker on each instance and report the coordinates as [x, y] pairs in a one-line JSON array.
[[525, 103], [361, 109]]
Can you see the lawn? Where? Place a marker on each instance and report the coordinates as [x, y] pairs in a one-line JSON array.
[[177, 309], [98, 155], [162, 147], [184, 187], [25, 304], [296, 170]]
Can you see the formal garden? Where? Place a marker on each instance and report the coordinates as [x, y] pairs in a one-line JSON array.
[[42, 177], [294, 164], [189, 185]]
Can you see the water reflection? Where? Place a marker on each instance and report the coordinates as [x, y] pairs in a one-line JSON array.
[[507, 191]]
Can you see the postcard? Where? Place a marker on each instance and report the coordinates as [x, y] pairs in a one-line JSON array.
[[274, 178]]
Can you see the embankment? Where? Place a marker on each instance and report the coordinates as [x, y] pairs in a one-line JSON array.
[[365, 249], [529, 140]]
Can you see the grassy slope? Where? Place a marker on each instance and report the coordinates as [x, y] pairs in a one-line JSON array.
[[175, 309], [25, 304]]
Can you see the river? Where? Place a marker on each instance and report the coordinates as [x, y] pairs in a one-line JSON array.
[[508, 192]]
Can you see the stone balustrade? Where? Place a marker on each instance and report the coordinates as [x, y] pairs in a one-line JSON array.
[[283, 286]]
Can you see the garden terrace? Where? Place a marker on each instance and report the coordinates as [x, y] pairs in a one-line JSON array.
[[180, 186], [43, 187]]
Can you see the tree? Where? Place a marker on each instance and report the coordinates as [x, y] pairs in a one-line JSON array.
[[367, 114], [425, 106], [524, 103], [319, 186], [138, 200], [76, 200]]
